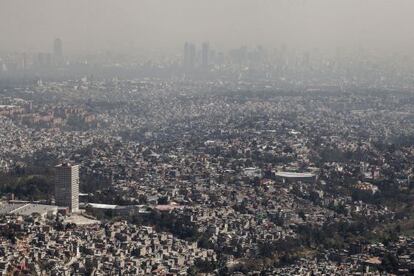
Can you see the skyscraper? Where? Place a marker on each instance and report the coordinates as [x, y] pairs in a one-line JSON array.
[[58, 51], [67, 186], [205, 51], [189, 56]]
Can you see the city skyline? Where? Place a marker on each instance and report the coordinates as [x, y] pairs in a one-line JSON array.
[[148, 26], [206, 137]]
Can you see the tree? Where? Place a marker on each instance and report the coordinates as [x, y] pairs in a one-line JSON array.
[[389, 263]]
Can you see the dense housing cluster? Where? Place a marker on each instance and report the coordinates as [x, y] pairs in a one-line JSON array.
[[197, 177]]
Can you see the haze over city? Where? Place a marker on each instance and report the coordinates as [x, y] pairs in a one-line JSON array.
[[154, 25], [206, 137]]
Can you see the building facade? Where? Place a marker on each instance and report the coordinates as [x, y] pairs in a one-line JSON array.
[[58, 52], [67, 186]]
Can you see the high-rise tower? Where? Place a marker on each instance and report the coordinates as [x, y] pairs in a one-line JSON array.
[[189, 56], [205, 51], [58, 51], [67, 186]]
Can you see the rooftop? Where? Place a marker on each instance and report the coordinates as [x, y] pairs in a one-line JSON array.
[[26, 209], [294, 174]]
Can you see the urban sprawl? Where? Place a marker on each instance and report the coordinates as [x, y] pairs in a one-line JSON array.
[[218, 164]]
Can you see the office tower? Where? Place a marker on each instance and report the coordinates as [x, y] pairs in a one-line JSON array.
[[189, 56], [67, 186], [58, 51], [205, 55], [186, 55], [24, 61]]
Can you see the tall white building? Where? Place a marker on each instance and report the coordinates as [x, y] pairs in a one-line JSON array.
[[67, 186]]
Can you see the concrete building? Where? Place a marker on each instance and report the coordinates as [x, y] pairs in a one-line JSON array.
[[290, 177], [205, 55], [58, 52], [67, 186], [28, 209], [102, 210], [189, 56]]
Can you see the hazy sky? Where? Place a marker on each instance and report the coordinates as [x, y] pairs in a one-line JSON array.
[[126, 25]]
